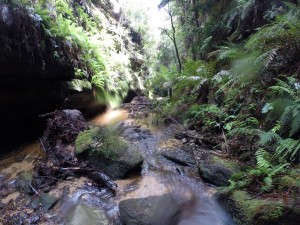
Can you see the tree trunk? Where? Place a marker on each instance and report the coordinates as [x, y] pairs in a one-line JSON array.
[[174, 40], [196, 14]]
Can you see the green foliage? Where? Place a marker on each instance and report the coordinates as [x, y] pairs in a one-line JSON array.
[[211, 117], [288, 147], [95, 45], [262, 174], [268, 138]]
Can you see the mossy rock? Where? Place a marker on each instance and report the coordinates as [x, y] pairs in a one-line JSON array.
[[257, 211], [109, 152], [229, 164], [85, 140], [216, 170], [248, 210]]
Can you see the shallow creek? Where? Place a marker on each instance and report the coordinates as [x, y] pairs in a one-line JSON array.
[[158, 176]]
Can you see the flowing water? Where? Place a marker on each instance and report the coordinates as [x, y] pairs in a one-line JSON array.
[[158, 176]]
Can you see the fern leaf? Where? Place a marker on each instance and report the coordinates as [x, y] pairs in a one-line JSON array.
[[287, 146], [295, 125], [261, 161], [268, 137]]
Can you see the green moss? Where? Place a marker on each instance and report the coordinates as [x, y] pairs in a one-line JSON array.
[[100, 142], [85, 139], [112, 146], [99, 50], [284, 182], [231, 165], [256, 211]]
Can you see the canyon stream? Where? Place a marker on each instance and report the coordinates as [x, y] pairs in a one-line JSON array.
[[164, 190]]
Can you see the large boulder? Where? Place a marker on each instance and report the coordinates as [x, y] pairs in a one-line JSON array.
[[110, 153], [153, 210], [171, 209], [216, 170]]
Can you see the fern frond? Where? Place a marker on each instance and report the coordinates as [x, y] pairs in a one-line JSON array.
[[261, 161], [278, 169], [268, 137], [286, 147], [283, 88], [295, 125], [245, 131]]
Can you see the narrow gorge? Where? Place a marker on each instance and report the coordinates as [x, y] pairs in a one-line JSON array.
[[155, 112]]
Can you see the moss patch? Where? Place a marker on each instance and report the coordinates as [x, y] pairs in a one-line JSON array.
[[231, 165], [256, 211], [100, 142], [85, 140]]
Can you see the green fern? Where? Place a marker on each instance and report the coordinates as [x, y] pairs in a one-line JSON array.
[[288, 147], [245, 131], [268, 138], [262, 163]]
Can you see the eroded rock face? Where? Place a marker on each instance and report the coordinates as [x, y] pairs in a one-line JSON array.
[[32, 80]]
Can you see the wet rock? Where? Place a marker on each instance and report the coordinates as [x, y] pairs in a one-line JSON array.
[[145, 133], [35, 203], [180, 135], [131, 135], [24, 182], [111, 154], [216, 170], [16, 220], [179, 156], [154, 210], [48, 201], [82, 214], [33, 219], [2, 205], [136, 134], [103, 179], [184, 140], [8, 187], [2, 177]]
